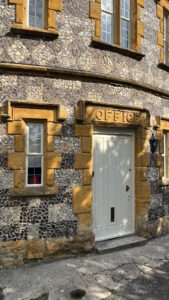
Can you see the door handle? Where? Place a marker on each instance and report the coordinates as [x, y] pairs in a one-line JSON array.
[[127, 188]]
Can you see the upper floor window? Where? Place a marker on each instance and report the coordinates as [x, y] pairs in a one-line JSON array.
[[35, 13], [115, 15]]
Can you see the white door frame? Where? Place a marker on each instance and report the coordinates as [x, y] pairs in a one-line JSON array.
[[119, 131]]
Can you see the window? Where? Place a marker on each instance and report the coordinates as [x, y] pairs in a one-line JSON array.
[[34, 154], [165, 40], [118, 26], [108, 20], [35, 13], [36, 17]]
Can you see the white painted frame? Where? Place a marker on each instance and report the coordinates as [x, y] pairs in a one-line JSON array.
[[34, 154], [119, 131], [43, 12]]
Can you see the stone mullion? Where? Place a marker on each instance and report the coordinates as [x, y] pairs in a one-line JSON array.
[[117, 23]]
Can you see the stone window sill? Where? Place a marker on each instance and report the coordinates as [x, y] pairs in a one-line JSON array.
[[53, 34], [35, 191], [115, 48], [163, 66]]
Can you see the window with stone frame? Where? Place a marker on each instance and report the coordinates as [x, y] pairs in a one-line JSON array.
[[36, 17], [34, 160], [118, 23], [163, 33], [116, 14]]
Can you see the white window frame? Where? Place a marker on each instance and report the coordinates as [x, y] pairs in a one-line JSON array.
[[129, 24], [112, 19], [165, 154], [43, 17], [165, 41], [35, 154]]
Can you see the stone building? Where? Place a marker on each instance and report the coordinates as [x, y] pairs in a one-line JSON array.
[[83, 84]]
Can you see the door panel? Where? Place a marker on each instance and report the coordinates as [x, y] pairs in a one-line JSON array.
[[113, 185]]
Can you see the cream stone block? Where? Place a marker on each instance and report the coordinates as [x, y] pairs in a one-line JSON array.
[[159, 11], [84, 223], [50, 143], [87, 177], [50, 177], [53, 160], [54, 128], [95, 10], [160, 39], [19, 143], [51, 18], [16, 161], [83, 130], [55, 5], [140, 28], [83, 161], [35, 248], [15, 127], [54, 245], [19, 179], [140, 2], [86, 144], [82, 199]]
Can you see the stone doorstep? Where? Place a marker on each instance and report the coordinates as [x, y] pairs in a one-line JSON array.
[[119, 244]]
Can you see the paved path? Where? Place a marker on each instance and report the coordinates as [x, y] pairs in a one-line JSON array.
[[138, 273]]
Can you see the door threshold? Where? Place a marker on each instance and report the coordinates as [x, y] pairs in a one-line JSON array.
[[120, 243]]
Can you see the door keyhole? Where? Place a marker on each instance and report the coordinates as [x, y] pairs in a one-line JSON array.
[[127, 188]]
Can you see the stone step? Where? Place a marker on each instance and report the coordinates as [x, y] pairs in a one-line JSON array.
[[119, 244]]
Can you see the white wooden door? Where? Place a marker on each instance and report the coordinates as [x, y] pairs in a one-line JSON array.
[[113, 184]]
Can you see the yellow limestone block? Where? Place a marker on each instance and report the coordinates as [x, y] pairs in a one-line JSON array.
[[16, 161], [82, 199]]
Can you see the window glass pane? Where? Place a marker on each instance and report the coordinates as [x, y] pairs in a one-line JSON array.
[[106, 27], [32, 13], [165, 38], [35, 17], [34, 138], [34, 169], [39, 13], [107, 5], [125, 9], [124, 33]]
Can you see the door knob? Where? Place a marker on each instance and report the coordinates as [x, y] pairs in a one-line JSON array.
[[127, 188]]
